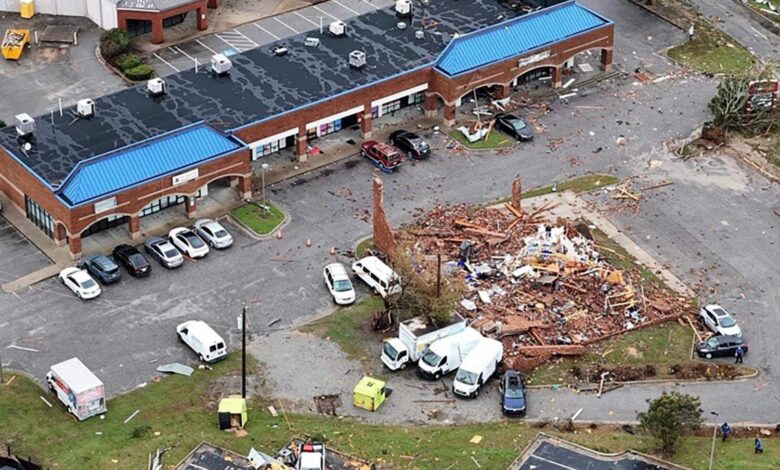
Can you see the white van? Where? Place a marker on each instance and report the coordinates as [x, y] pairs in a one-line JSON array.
[[379, 276], [445, 355], [479, 365], [206, 343]]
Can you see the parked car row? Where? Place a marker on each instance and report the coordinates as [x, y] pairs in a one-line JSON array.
[[190, 242], [728, 335], [389, 156]]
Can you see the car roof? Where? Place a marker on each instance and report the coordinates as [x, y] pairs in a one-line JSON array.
[[204, 332], [338, 271], [727, 338], [378, 266], [81, 276], [178, 230]]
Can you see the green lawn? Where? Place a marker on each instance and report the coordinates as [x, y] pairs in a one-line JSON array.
[[365, 244], [712, 51], [495, 140], [581, 184], [349, 327], [258, 219], [174, 415]]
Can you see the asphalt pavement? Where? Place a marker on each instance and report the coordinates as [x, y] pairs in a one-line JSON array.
[[715, 217]]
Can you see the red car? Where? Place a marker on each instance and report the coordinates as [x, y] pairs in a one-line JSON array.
[[384, 156]]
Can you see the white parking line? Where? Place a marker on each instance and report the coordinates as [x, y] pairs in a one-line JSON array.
[[165, 62], [310, 21], [337, 2], [534, 456], [325, 12], [266, 31], [246, 37], [207, 47], [287, 25], [370, 4], [759, 33], [182, 52]]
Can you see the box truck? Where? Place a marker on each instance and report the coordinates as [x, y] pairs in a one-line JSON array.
[[77, 388], [476, 369], [414, 335], [445, 355]]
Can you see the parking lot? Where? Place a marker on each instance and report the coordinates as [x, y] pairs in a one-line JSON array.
[[259, 33], [17, 255]]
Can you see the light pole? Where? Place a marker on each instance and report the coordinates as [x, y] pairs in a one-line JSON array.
[[264, 168]]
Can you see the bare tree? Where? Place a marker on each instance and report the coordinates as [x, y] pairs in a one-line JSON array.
[[734, 108]]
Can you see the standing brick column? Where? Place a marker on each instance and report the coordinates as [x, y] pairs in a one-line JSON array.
[[190, 206], [449, 114], [157, 30], [134, 226], [75, 246], [606, 59], [60, 235], [365, 125], [505, 91], [212, 4], [557, 77], [517, 195], [301, 147], [245, 186], [384, 239], [202, 23], [430, 105]]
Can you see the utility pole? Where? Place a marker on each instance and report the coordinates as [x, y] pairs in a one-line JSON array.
[[1, 371], [243, 353], [438, 275]]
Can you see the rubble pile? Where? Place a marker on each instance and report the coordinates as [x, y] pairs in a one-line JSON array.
[[540, 286]]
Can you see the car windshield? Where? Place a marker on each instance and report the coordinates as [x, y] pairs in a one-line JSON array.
[[88, 284], [466, 377], [220, 234], [713, 342], [431, 358], [390, 351], [513, 389], [106, 265], [727, 322], [170, 253], [342, 285], [137, 259], [193, 240], [518, 124]]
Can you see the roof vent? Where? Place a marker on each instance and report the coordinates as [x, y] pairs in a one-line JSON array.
[[156, 87], [419, 34], [85, 108], [220, 64], [403, 7], [312, 42], [25, 124], [401, 25], [279, 51], [357, 59], [338, 28]]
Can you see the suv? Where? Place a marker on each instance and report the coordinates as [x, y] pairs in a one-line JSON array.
[[132, 259], [384, 156], [102, 268], [411, 144], [719, 321], [512, 389]]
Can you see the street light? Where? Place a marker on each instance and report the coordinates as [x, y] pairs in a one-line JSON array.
[[264, 167]]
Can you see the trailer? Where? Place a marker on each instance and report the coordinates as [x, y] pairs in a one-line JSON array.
[[77, 388], [14, 42]]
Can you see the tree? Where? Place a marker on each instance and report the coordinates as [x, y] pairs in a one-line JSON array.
[[669, 416], [114, 42], [730, 104]]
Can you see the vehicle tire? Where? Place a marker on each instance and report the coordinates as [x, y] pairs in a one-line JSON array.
[[437, 376], [200, 358], [708, 356], [78, 294], [51, 387], [211, 244], [403, 366], [178, 336], [70, 410], [476, 394]]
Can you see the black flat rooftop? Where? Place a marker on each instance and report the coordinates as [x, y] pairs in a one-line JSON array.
[[260, 85]]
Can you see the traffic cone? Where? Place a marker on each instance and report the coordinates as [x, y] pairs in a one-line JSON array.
[[279, 235], [333, 251], [308, 243]]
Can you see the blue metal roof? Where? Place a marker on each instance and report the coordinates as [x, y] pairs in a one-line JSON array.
[[516, 36], [120, 169]]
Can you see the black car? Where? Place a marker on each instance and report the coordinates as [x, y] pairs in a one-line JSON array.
[[102, 268], [132, 259], [411, 144], [720, 346], [515, 127], [512, 389]]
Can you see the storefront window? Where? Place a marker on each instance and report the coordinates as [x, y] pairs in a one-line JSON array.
[[391, 107], [39, 217], [417, 98]]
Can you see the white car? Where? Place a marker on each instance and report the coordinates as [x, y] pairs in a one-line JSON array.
[[719, 321], [80, 282], [213, 233], [338, 283], [188, 242]]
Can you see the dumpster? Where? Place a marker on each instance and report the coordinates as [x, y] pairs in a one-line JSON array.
[[14, 42], [370, 393], [232, 413]]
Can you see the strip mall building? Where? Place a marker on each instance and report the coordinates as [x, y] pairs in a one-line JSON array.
[[141, 153]]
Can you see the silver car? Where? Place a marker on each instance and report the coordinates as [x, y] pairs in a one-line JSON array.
[[213, 233], [163, 251]]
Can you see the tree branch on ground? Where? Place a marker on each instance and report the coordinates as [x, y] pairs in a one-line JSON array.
[[732, 101]]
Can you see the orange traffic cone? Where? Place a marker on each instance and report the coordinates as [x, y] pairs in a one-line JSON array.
[[279, 235], [308, 243], [332, 250]]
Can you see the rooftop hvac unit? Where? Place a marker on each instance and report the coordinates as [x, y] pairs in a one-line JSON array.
[[220, 64], [85, 108], [338, 28], [419, 34], [25, 124], [311, 42], [156, 87], [279, 51], [401, 25], [403, 7], [357, 59]]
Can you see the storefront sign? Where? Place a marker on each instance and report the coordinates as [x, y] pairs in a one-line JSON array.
[[105, 205], [185, 177], [533, 59]]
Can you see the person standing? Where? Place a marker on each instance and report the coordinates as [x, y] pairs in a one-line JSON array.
[[759, 446], [690, 33], [725, 430], [739, 354]]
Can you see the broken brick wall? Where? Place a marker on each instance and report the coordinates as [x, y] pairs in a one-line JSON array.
[[384, 239]]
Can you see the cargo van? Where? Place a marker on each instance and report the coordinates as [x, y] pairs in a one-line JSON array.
[[445, 355], [379, 276], [77, 388], [206, 343], [476, 369]]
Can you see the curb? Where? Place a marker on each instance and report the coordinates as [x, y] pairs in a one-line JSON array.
[[659, 15], [761, 18], [254, 235]]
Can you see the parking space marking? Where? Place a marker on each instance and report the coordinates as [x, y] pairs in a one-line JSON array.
[[266, 31], [287, 25], [207, 47], [370, 4], [165, 62], [534, 456], [176, 49], [310, 21], [246, 37], [337, 2], [325, 12]]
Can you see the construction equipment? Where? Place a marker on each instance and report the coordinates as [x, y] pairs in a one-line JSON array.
[[14, 42]]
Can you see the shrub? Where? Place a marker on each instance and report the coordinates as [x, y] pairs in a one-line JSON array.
[[669, 416], [2, 124], [129, 61], [114, 42], [139, 72]]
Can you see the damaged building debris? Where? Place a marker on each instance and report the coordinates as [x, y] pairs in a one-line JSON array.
[[541, 286]]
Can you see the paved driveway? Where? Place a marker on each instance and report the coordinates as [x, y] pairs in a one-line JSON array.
[[17, 255]]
